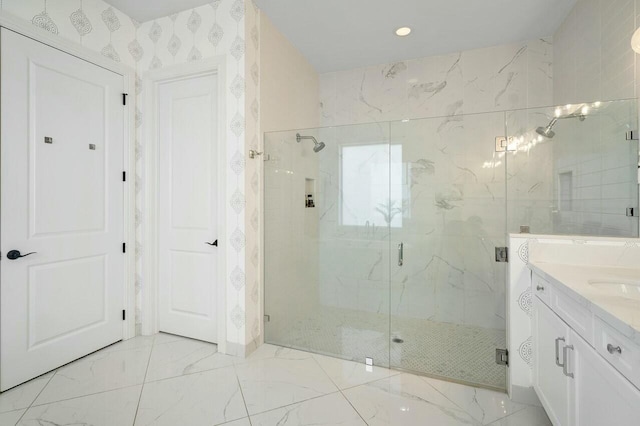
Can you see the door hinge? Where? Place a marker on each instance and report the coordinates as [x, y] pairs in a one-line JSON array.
[[267, 318], [502, 357], [124, 176], [502, 254], [124, 315], [124, 98], [124, 247], [632, 135], [631, 212]]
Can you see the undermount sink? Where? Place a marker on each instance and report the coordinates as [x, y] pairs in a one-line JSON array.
[[624, 287]]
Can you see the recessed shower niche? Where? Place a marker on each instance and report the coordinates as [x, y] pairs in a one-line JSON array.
[[309, 193]]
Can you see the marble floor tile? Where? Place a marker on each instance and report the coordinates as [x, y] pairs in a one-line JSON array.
[[275, 382], [484, 405], [22, 396], [184, 356], [189, 383], [267, 351], [530, 416], [331, 409], [10, 418], [137, 342], [112, 408], [405, 400], [162, 338], [99, 372], [207, 398], [347, 374]]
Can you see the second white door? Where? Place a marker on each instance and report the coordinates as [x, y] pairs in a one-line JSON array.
[[188, 207]]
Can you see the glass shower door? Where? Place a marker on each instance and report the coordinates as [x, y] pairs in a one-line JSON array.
[[580, 180], [327, 262], [447, 210]]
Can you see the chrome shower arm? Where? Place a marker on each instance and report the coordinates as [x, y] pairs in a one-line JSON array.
[[299, 138]]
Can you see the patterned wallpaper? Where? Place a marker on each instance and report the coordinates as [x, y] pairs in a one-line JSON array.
[[92, 23], [217, 28], [253, 173]]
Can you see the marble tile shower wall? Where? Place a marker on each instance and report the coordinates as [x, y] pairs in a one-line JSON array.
[[217, 28], [454, 193], [452, 198], [476, 81]]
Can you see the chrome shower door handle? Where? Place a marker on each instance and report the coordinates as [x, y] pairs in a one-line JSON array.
[[400, 254]]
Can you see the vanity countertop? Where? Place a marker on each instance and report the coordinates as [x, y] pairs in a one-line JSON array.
[[575, 281]]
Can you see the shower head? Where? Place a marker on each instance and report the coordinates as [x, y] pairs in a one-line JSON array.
[[318, 146], [548, 132]]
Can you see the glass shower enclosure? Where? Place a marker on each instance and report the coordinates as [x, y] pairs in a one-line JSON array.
[[386, 243]]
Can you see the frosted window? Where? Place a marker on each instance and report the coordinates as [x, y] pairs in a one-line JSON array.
[[366, 176]]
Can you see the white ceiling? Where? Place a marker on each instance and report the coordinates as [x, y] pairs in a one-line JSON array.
[[343, 34], [147, 10]]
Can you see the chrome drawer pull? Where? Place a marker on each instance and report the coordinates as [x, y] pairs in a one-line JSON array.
[[558, 363], [612, 350], [565, 354], [539, 288]]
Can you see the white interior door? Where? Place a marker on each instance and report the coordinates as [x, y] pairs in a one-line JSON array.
[[188, 207], [62, 141]]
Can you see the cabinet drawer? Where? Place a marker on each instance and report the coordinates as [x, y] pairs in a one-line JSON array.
[[541, 288], [622, 353], [578, 317]]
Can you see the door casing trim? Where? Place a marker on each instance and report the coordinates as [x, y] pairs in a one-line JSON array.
[[150, 294]]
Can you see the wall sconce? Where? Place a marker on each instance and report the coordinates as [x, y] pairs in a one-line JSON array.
[[635, 41]]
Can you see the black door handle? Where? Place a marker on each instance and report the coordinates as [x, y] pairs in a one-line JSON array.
[[215, 243], [15, 254]]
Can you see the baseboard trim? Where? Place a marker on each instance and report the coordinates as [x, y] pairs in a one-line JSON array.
[[524, 395], [242, 351]]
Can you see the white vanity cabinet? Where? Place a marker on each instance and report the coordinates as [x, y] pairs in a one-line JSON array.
[[550, 334], [576, 384], [600, 395]]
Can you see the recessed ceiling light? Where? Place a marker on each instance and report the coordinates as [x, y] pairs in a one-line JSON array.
[[403, 31]]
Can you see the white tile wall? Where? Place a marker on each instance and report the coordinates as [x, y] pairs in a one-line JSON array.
[[593, 61]]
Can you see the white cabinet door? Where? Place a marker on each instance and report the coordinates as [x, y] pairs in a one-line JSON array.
[[600, 394], [188, 207], [550, 335], [62, 197]]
